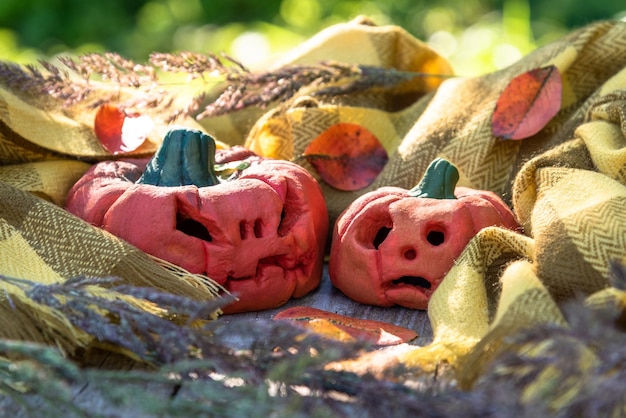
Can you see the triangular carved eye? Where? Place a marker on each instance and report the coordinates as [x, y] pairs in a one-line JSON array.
[[435, 238], [191, 227], [381, 235], [292, 212]]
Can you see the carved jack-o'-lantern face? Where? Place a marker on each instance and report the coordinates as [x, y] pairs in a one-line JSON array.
[[260, 235], [393, 246]]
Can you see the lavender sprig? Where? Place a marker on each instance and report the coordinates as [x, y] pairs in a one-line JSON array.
[[95, 78]]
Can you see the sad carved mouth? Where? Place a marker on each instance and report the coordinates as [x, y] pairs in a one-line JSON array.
[[415, 281]]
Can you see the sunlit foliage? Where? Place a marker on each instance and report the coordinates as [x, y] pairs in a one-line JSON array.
[[475, 35]]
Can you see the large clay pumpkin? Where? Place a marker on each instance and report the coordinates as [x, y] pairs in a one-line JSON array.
[[393, 246], [260, 234]]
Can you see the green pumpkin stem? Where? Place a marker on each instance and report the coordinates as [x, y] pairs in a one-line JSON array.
[[438, 182], [185, 157]]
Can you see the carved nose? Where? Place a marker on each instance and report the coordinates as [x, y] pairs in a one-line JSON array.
[[251, 229], [259, 243], [409, 252], [399, 251]]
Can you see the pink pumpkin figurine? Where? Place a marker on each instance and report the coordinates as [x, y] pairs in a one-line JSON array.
[[260, 233], [393, 246]]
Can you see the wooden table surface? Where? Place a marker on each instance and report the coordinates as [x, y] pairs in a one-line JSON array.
[[328, 298]]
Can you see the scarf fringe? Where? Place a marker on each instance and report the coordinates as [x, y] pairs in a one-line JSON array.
[[25, 320]]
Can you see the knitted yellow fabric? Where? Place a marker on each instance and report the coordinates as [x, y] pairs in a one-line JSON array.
[[451, 122], [570, 198]]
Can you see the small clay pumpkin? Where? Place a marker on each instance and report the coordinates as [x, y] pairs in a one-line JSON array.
[[393, 246], [260, 233]]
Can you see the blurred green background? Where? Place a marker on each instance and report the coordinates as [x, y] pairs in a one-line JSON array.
[[477, 36]]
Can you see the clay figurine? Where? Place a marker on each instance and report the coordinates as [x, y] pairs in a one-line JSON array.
[[393, 246], [260, 233]]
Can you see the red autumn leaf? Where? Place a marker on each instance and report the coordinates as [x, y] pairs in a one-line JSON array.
[[120, 132], [527, 104], [342, 327], [347, 156]]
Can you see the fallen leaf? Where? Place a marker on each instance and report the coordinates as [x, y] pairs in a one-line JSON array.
[[120, 132], [347, 156], [345, 328], [527, 104]]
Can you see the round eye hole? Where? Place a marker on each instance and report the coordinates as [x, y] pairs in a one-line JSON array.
[[435, 238]]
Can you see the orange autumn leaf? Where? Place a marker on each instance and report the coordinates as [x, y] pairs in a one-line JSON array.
[[527, 104], [119, 132], [347, 156], [345, 328]]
